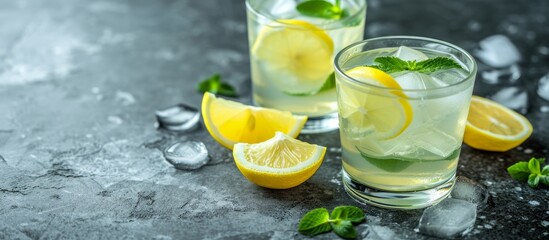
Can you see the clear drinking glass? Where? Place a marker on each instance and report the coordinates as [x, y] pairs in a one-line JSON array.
[[291, 57], [401, 135]]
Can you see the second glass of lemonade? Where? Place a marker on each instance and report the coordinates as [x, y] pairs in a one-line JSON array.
[[291, 57], [403, 105]]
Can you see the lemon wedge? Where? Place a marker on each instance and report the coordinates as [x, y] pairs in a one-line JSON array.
[[385, 116], [299, 52], [231, 122], [494, 127], [281, 162]]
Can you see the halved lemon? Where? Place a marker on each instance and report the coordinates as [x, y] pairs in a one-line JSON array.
[[300, 52], [381, 113], [281, 162], [494, 127], [231, 122]]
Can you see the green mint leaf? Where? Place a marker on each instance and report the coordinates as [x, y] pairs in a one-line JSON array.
[[534, 166], [344, 228], [320, 9], [328, 84], [214, 85], [435, 64], [545, 170], [315, 222], [533, 180], [541, 160], [544, 180], [519, 171], [350, 213], [391, 64]]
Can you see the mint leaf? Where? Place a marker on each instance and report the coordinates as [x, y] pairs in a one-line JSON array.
[[350, 213], [214, 85], [544, 179], [315, 222], [344, 228], [533, 180], [545, 170], [519, 171], [391, 64], [320, 9], [328, 84], [534, 166]]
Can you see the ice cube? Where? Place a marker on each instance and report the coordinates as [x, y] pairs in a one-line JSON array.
[[449, 218], [436, 142], [409, 54], [471, 191], [187, 155], [498, 51], [416, 80], [449, 76], [543, 87], [515, 98], [179, 118], [506, 75]]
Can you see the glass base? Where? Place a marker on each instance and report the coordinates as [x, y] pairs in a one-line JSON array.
[[397, 200], [322, 124]]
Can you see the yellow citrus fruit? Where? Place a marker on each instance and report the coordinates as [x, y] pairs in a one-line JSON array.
[[299, 51], [494, 127], [281, 162], [231, 122], [387, 116]]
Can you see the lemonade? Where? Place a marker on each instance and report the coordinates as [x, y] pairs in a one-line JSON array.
[[401, 132], [291, 57]]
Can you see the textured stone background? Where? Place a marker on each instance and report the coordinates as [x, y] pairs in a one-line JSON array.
[[81, 156]]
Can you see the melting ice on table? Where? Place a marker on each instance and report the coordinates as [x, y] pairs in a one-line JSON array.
[[449, 218], [515, 98], [471, 191], [498, 51], [179, 118], [504, 75], [543, 87], [187, 155]]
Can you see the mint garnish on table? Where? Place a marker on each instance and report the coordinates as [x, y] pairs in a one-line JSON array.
[[214, 85], [341, 221], [321, 9], [328, 84], [390, 64], [530, 172]]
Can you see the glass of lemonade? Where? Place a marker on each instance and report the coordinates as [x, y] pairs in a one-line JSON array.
[[401, 130], [291, 57]]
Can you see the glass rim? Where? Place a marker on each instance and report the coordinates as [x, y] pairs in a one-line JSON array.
[[324, 26], [470, 77]]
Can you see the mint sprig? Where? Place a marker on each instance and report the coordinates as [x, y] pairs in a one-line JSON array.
[[214, 85], [341, 221], [321, 9], [391, 64], [329, 83], [530, 172]]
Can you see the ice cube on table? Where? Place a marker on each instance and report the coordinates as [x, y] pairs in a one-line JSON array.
[[515, 98], [179, 118], [543, 87], [470, 191], [187, 155], [409, 54], [498, 51], [506, 75], [449, 218]]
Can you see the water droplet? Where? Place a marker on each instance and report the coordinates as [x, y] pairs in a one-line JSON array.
[[533, 203]]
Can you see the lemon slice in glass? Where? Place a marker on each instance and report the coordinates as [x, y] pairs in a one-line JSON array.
[[494, 127], [298, 51], [281, 162], [231, 122], [386, 114]]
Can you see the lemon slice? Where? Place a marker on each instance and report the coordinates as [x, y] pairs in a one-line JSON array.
[[494, 127], [231, 122], [299, 52], [281, 162], [385, 116]]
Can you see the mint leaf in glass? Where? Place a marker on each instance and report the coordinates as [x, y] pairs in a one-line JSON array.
[[328, 84], [321, 9], [315, 222], [391, 64], [214, 85]]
